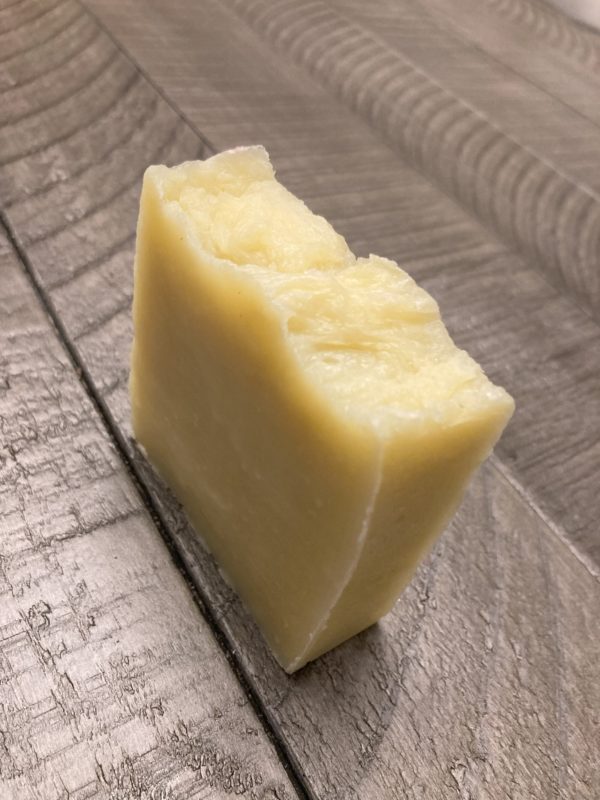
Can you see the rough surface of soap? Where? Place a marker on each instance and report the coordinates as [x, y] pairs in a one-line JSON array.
[[308, 408]]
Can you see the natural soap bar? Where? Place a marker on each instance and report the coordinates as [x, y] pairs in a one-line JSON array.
[[307, 407]]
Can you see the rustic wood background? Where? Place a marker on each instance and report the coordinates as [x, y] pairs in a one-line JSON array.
[[460, 137]]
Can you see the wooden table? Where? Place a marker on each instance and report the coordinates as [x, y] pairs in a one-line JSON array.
[[460, 137]]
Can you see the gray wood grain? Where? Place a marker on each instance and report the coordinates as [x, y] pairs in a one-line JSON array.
[[111, 684], [528, 336], [483, 682], [466, 142], [565, 58]]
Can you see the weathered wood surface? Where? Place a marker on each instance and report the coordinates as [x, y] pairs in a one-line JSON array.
[[484, 681], [111, 683], [516, 324]]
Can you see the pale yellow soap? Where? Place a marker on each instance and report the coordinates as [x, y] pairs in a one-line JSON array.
[[308, 407]]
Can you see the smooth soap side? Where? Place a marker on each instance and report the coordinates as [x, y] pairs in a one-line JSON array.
[[424, 474], [273, 480], [318, 490]]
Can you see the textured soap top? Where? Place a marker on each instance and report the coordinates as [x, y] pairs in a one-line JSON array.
[[308, 407], [362, 329]]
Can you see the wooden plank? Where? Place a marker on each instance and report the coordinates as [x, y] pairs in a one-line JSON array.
[[475, 685], [564, 59], [501, 68], [442, 698], [478, 684], [547, 212], [548, 26], [585, 11], [517, 325], [41, 22], [111, 683]]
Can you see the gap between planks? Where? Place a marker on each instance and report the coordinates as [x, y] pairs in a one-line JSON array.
[[213, 149], [526, 496], [100, 403], [288, 762]]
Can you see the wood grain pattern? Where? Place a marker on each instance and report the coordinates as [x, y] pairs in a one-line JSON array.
[[549, 26], [474, 686], [485, 162], [565, 60], [111, 684], [517, 325], [484, 681]]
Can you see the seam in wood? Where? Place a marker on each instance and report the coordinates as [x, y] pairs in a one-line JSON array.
[[461, 35], [212, 149], [497, 135], [270, 35], [556, 530], [289, 764]]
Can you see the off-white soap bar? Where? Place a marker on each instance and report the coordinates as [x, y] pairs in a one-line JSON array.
[[307, 407]]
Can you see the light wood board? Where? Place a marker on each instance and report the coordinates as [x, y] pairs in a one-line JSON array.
[[423, 136]]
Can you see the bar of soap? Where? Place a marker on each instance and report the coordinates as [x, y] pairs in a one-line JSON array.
[[308, 407]]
